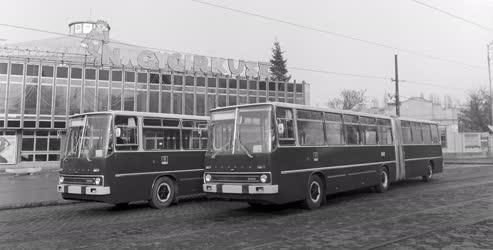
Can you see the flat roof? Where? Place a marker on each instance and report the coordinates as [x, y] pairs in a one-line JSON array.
[[149, 114]]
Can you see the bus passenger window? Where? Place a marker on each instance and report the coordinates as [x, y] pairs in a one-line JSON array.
[[406, 132], [425, 129], [285, 126], [310, 128], [384, 132], [368, 130], [434, 134], [126, 137], [351, 127], [171, 138], [416, 133], [153, 138], [333, 129]]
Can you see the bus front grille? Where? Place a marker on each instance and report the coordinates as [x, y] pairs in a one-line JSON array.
[[235, 178]]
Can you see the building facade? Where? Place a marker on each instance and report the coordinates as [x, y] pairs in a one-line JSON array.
[[38, 92]]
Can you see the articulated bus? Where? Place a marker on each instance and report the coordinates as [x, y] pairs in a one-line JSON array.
[[118, 157], [280, 153]]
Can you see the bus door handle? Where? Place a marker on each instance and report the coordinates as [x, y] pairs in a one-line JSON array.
[[164, 160], [315, 156]]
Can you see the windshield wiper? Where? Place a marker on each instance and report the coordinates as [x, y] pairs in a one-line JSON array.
[[244, 148], [219, 150]]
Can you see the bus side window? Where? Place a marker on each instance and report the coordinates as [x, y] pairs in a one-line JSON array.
[[171, 139], [352, 129], [384, 132], [310, 128], [285, 126], [333, 129], [434, 134], [368, 130], [416, 133], [406, 132], [425, 129], [127, 137]]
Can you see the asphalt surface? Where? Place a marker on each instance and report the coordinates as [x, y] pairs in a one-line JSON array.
[[454, 211]]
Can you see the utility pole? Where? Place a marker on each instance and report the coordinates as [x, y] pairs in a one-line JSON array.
[[396, 80], [489, 78]]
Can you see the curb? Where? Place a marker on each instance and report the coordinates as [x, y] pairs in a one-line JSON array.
[[43, 170], [38, 204]]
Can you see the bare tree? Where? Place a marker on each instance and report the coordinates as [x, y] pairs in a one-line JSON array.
[[349, 99], [475, 116]]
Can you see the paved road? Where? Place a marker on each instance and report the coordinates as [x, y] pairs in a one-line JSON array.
[[454, 211]]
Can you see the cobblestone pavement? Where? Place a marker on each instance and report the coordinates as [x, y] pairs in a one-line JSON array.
[[454, 211]]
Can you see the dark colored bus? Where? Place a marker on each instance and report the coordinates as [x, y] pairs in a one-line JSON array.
[[118, 157], [280, 153]]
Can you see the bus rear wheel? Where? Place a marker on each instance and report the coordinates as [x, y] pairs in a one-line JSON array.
[[383, 185], [429, 173], [163, 193], [315, 193]]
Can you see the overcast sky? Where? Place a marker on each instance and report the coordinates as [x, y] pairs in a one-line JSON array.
[[184, 25]]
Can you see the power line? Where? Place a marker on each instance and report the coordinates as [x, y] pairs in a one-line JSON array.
[[453, 15], [339, 73], [433, 85], [349, 37]]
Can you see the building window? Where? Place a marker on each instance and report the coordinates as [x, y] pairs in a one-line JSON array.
[[61, 72], [76, 73], [103, 99], [31, 94], [75, 98], [116, 76], [104, 75], [47, 71], [32, 70], [16, 69], [3, 68], [129, 76], [154, 78], [60, 100], [15, 98], [116, 99], [189, 80], [142, 77], [90, 74], [129, 100]]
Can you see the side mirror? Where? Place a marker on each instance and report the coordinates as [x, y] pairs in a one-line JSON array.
[[118, 132], [280, 128], [59, 134]]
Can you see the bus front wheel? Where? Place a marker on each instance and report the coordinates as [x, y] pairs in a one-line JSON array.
[[383, 185], [163, 193], [315, 193]]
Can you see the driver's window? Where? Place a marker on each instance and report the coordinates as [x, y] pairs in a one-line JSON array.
[[126, 131], [285, 126]]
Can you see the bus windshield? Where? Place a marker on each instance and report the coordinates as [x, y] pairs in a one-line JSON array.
[[248, 130], [88, 137]]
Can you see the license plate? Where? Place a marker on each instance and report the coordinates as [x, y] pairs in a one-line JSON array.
[[74, 189]]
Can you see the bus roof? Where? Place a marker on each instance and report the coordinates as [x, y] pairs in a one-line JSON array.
[[146, 114], [331, 110]]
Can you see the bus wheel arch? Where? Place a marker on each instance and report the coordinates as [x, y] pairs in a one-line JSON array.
[[163, 191]]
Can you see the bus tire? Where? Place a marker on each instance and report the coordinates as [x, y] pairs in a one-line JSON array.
[[429, 173], [383, 184], [163, 193], [315, 193]]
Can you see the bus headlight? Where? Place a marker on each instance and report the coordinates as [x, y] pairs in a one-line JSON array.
[[263, 178], [60, 179], [208, 177], [97, 181]]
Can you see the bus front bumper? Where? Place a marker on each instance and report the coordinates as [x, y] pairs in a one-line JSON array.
[[240, 188], [85, 190]]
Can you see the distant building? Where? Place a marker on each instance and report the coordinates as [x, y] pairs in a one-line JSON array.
[[421, 108], [43, 82]]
